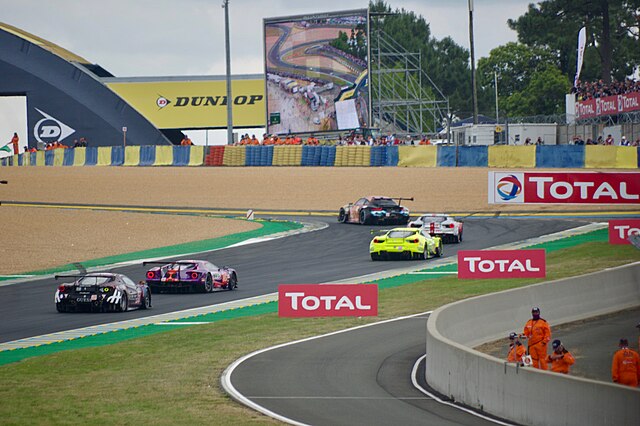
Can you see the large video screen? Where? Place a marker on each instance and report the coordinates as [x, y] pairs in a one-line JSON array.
[[317, 72]]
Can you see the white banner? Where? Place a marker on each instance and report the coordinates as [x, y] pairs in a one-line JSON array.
[[582, 41]]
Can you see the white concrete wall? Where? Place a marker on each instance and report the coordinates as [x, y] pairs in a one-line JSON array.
[[525, 395]]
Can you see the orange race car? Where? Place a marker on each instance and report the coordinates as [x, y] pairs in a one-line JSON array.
[[375, 210]]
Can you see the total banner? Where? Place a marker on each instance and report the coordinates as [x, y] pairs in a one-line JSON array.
[[327, 300], [564, 188], [620, 230], [608, 105], [479, 264]]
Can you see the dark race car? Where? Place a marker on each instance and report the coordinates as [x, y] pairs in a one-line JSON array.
[[375, 210], [190, 275], [101, 292]]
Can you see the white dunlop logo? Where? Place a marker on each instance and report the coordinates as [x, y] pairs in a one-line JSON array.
[[50, 129]]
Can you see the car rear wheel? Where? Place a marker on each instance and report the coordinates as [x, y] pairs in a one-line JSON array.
[[364, 217], [439, 250], [123, 306], [207, 285], [342, 216], [375, 256], [425, 253], [459, 237], [146, 300], [233, 283], [60, 308]]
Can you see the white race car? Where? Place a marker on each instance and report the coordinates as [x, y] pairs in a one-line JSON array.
[[441, 225]]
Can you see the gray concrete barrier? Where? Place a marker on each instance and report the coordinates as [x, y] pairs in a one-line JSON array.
[[525, 395]]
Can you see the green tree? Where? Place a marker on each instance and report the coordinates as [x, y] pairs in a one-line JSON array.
[[445, 62], [612, 34], [543, 94]]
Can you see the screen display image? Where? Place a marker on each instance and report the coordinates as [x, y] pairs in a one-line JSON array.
[[317, 72]]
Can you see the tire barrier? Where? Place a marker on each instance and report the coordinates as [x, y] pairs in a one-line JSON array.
[[541, 156], [417, 156], [352, 156], [611, 157], [563, 156], [512, 156]]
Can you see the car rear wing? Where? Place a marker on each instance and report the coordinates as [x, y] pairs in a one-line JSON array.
[[379, 231], [167, 262], [97, 275]]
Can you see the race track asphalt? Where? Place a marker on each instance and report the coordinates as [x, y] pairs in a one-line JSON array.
[[358, 377], [338, 252]]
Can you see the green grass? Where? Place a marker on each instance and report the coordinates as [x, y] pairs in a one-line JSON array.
[[174, 377]]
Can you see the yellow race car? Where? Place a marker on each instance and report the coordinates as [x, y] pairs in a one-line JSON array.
[[405, 243]]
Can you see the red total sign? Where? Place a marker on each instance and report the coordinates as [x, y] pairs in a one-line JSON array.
[[327, 300], [564, 188], [474, 264], [621, 230]]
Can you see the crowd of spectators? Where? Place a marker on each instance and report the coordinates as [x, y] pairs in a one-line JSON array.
[[609, 140], [586, 90], [349, 140]]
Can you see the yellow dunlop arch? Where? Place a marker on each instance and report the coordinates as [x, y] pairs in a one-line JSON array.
[[196, 155], [104, 156], [164, 155], [505, 156], [417, 156], [610, 157], [40, 158], [79, 156], [58, 156], [131, 156], [287, 155], [234, 156]]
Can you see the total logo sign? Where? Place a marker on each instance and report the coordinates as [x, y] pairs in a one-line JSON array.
[[564, 188], [621, 230], [327, 300], [49, 129], [474, 264]]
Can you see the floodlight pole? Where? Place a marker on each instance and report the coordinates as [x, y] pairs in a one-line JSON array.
[[473, 65], [225, 5]]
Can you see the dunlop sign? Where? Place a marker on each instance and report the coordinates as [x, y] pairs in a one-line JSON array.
[[195, 104]]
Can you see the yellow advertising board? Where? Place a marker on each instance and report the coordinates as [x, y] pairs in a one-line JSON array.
[[195, 104]]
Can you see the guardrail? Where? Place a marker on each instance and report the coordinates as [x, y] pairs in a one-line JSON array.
[[504, 156], [525, 395]]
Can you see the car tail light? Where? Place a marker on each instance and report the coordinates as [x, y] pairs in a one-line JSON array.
[[449, 225], [194, 275], [376, 209], [413, 241], [62, 288], [377, 240], [151, 275]]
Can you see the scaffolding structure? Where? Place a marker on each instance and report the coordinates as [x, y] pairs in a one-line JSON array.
[[399, 102]]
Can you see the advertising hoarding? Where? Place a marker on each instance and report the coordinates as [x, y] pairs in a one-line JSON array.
[[327, 300], [564, 188], [621, 230], [198, 104], [479, 264], [317, 72]]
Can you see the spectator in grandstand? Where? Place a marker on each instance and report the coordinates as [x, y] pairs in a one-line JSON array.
[[540, 141], [538, 332], [587, 90], [609, 140], [560, 359], [527, 141], [624, 141], [26, 149], [516, 349], [76, 143], [83, 142], [186, 141], [254, 140], [625, 367]]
